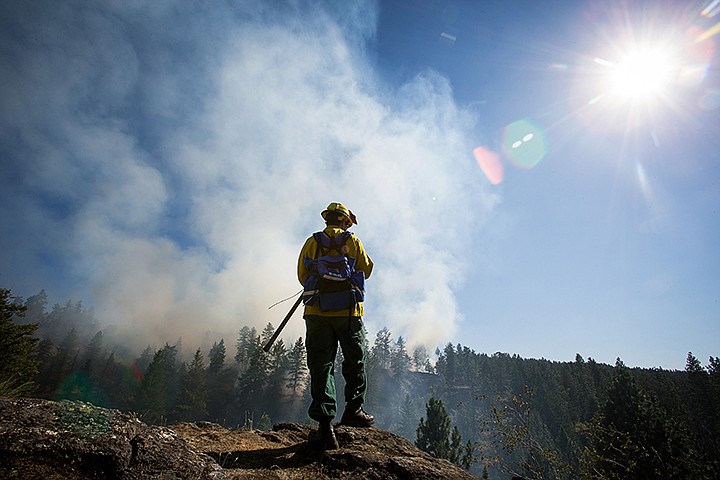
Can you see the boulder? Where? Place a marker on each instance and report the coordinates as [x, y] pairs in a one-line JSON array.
[[53, 440]]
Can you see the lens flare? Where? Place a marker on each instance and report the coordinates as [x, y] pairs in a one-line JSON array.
[[644, 182], [135, 373], [80, 386], [710, 100], [524, 143], [711, 9], [489, 162], [710, 32]]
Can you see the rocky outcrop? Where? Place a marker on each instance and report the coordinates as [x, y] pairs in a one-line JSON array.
[[54, 440], [286, 453], [44, 439]]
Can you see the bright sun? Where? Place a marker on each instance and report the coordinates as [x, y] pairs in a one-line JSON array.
[[641, 74], [633, 83]]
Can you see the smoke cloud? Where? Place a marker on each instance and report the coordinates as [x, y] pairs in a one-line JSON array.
[[164, 163]]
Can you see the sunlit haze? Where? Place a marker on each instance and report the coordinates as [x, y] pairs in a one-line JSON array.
[[536, 178]]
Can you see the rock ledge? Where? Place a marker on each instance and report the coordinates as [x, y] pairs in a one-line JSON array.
[[54, 440]]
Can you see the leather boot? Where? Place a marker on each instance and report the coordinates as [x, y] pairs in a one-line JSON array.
[[326, 435], [358, 418]]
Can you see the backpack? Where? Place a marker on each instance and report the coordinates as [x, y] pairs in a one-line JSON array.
[[333, 283]]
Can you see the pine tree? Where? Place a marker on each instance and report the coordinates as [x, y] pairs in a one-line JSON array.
[[80, 381], [17, 367], [631, 437], [399, 358], [297, 378], [121, 388], [267, 333], [703, 405], [274, 395], [158, 389], [382, 349], [217, 357], [714, 380], [456, 446], [143, 361], [69, 316], [44, 355], [37, 307], [245, 344], [92, 352], [714, 369], [407, 423], [253, 381], [468, 456], [220, 382], [447, 365], [152, 402], [191, 403], [297, 366], [714, 377], [522, 437], [63, 363], [433, 434], [421, 359], [435, 437], [265, 423]]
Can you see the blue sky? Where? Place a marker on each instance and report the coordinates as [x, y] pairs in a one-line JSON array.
[[520, 186], [607, 245]]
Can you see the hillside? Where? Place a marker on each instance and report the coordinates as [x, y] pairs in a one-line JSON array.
[[508, 415]]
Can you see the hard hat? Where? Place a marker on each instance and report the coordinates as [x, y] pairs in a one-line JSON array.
[[341, 209]]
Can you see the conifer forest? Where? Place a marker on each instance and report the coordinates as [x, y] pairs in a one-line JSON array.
[[497, 415]]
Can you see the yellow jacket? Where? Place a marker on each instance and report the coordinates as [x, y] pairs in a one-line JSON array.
[[363, 263]]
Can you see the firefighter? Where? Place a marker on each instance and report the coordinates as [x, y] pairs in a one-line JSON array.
[[328, 329]]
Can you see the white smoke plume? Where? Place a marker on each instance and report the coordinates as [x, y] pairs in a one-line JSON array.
[[165, 162]]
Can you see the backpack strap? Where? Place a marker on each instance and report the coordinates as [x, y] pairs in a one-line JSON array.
[[325, 243], [341, 240], [321, 243]]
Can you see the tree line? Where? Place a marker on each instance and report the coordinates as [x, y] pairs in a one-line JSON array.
[[495, 415]]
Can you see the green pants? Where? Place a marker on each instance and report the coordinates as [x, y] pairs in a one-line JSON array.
[[321, 341]]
